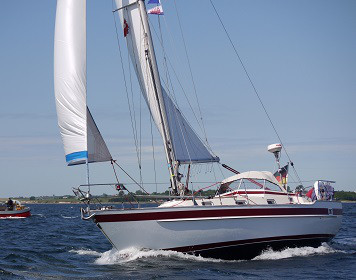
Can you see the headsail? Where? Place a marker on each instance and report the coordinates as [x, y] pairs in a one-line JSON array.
[[97, 149], [81, 138], [186, 145]]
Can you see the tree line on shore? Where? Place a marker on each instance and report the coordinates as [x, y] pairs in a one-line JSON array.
[[138, 196]]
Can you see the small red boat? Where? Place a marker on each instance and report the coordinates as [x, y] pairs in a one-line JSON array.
[[17, 211]]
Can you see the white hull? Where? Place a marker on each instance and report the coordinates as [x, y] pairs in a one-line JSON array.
[[219, 231]]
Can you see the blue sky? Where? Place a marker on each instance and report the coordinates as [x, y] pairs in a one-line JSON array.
[[300, 55]]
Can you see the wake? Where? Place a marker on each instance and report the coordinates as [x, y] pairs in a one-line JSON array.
[[297, 252], [11, 218], [114, 256]]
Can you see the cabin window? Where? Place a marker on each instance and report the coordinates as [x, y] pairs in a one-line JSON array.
[[241, 202], [271, 201], [271, 187], [251, 184], [207, 203]]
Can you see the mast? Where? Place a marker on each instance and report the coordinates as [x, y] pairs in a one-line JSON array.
[[152, 64]]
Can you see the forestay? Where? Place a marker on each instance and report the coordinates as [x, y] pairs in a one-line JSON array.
[[81, 138], [186, 145]]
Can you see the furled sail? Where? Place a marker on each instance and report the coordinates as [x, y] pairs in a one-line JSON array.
[[186, 145], [81, 138]]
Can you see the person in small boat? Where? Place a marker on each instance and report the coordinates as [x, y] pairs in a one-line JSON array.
[[10, 205]]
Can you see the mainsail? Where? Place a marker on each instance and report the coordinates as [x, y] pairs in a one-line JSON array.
[[186, 146], [81, 138]]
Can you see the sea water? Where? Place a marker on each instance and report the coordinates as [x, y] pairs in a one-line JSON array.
[[54, 243]]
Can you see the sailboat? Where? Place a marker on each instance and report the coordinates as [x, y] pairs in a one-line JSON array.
[[250, 212]]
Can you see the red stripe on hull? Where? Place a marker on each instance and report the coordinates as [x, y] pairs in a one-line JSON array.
[[201, 247], [196, 214], [14, 215]]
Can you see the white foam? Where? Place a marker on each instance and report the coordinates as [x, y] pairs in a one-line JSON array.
[[296, 252], [114, 256], [69, 217], [12, 218], [131, 254], [86, 252]]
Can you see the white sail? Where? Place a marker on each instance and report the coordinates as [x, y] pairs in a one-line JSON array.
[[187, 146], [78, 130], [97, 149]]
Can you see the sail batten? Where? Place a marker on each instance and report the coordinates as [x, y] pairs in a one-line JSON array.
[[81, 138]]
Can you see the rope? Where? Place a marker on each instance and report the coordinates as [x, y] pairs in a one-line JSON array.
[[255, 90]]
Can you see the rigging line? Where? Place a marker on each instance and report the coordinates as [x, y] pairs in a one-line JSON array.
[[168, 83], [139, 141], [221, 170], [213, 169], [177, 111], [157, 88], [186, 97], [176, 118], [133, 119], [176, 75], [164, 57], [138, 148], [183, 200], [152, 183], [190, 181], [141, 179], [141, 84], [254, 88], [114, 161], [125, 82], [191, 73], [153, 155], [124, 76], [117, 179]]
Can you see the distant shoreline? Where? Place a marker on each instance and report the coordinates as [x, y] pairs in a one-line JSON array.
[[29, 202], [26, 202]]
